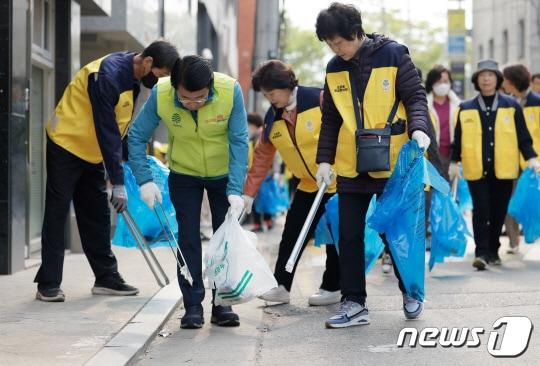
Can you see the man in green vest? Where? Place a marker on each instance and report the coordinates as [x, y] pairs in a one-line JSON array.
[[84, 138], [208, 150]]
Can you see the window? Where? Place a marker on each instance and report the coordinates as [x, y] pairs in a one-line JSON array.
[[42, 27], [491, 49], [521, 40], [505, 47]]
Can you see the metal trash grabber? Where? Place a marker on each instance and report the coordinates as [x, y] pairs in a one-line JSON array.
[[184, 269], [151, 260], [454, 188], [307, 224]]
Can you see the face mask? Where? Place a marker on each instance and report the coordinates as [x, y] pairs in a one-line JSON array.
[[441, 90], [149, 80]]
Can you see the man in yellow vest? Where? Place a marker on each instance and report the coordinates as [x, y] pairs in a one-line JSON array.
[[84, 139], [490, 134], [292, 126], [372, 91], [208, 150]]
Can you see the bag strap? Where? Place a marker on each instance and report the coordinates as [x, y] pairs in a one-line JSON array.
[[393, 112]]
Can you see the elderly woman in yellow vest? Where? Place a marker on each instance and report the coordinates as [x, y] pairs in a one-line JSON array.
[[292, 126], [517, 79], [490, 134], [84, 136], [208, 149]]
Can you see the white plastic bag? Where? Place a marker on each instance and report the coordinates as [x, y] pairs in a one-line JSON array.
[[235, 268]]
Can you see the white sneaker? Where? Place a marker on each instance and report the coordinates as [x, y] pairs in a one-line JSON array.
[[386, 263], [278, 295], [513, 250], [323, 297], [412, 308]]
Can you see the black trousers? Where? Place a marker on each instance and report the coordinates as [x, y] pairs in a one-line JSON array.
[[352, 217], [71, 178], [296, 216], [490, 198], [186, 196]]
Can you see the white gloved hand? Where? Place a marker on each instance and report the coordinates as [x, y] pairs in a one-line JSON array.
[[324, 174], [421, 139], [534, 164], [453, 171], [237, 204], [150, 193], [119, 197], [248, 203]]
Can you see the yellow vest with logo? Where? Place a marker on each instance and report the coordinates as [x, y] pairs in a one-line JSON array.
[[378, 100], [72, 125], [531, 112], [198, 148], [506, 144], [300, 155]]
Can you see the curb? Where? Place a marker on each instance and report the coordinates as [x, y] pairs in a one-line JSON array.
[[137, 334]]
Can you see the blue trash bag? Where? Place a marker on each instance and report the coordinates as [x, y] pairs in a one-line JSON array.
[[400, 215], [145, 218], [327, 231], [464, 198], [525, 204], [272, 198], [448, 229]]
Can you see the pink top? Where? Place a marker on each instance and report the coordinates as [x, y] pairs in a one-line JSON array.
[[443, 112]]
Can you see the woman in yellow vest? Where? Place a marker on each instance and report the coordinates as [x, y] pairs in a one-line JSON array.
[[84, 138], [517, 79], [208, 150], [490, 134], [371, 87], [292, 126]]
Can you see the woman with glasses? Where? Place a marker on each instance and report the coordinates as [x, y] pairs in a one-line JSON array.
[[208, 150]]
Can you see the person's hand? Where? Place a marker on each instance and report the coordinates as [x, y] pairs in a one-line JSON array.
[[325, 174], [453, 171], [248, 203], [421, 139], [150, 193], [237, 204], [534, 164], [119, 197]]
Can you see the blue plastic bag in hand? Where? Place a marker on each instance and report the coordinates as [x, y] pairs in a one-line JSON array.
[[464, 198], [400, 215], [327, 231], [272, 198], [525, 204], [448, 229], [145, 218]]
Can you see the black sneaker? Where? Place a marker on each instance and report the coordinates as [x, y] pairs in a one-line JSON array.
[[224, 316], [495, 260], [54, 294], [193, 318], [114, 285], [480, 263]]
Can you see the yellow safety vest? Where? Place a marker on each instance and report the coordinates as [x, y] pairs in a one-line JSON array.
[[378, 100], [506, 144], [299, 155], [199, 148], [72, 125], [531, 112]]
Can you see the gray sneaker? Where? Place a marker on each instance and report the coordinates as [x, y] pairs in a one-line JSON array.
[[350, 313], [412, 308]]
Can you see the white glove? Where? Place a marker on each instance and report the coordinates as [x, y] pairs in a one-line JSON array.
[[421, 139], [453, 171], [534, 164], [324, 174], [150, 193], [237, 204], [248, 203], [119, 197]]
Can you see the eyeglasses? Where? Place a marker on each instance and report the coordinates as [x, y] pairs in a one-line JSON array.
[[192, 101]]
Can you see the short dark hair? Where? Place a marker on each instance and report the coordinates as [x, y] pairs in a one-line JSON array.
[[535, 76], [255, 119], [343, 20], [163, 54], [497, 87], [518, 75], [434, 75], [193, 73], [273, 74]]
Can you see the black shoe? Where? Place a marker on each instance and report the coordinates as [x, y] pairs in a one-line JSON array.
[[113, 285], [193, 318], [495, 260], [51, 294], [480, 263], [224, 316]]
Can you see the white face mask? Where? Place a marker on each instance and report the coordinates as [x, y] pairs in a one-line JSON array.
[[442, 89]]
